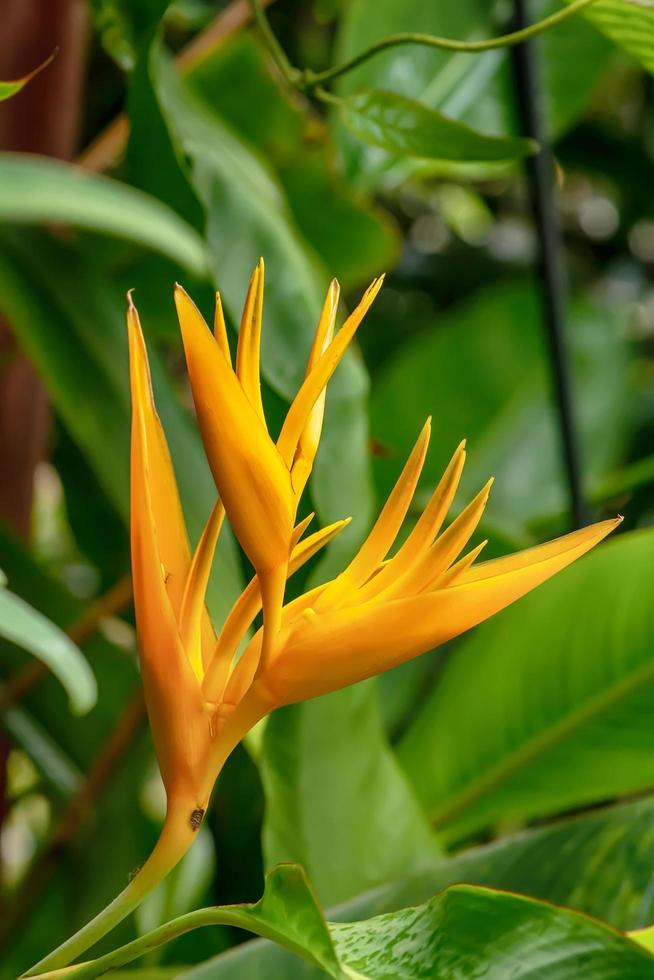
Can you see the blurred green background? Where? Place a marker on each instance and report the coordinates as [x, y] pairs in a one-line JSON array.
[[521, 756]]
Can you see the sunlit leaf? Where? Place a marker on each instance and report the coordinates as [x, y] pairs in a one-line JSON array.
[[29, 629], [469, 931], [311, 779], [40, 190], [629, 23], [405, 127], [462, 932], [548, 706]]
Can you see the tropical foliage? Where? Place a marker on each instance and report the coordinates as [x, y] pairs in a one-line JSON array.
[[482, 809]]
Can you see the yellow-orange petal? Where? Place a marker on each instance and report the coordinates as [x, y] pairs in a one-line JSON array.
[[423, 533], [248, 604], [248, 353], [441, 553], [376, 546], [320, 374], [151, 464], [454, 574], [220, 330], [309, 440], [252, 481], [549, 551], [300, 528], [321, 653], [193, 603], [172, 693]]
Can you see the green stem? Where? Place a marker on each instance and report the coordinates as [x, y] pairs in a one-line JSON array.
[[291, 74], [226, 916], [310, 79], [176, 837]]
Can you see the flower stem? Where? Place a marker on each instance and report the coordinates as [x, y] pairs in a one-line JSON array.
[[310, 79], [176, 837]]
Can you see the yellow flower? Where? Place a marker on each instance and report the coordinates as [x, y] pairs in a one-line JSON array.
[[259, 481], [177, 642], [381, 612], [202, 698]]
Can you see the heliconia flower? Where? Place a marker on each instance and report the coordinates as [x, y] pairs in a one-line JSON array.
[[260, 481], [202, 696], [179, 652], [381, 612], [177, 642]]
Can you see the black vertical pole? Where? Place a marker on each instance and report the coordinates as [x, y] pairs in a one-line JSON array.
[[552, 279]]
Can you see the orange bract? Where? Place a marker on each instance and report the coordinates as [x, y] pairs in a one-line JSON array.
[[379, 612]]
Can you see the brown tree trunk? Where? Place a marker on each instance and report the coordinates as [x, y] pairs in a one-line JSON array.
[[43, 118]]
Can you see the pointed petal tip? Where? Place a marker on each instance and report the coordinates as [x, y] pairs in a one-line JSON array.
[[425, 432], [375, 286], [133, 322], [605, 527]]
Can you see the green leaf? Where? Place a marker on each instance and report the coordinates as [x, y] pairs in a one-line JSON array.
[[29, 629], [558, 863], [238, 75], [122, 23], [464, 931], [78, 738], [506, 414], [39, 190], [547, 706], [644, 937], [468, 931], [354, 238], [57, 768], [16, 85], [405, 127], [478, 89], [629, 23], [311, 782]]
